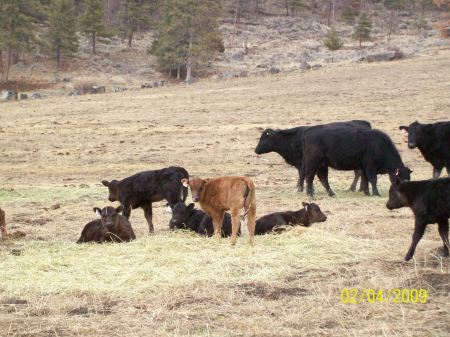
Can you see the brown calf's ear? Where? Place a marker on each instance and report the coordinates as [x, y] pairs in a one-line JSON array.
[[191, 206], [185, 182], [403, 128], [105, 183], [97, 211], [119, 209], [305, 204]]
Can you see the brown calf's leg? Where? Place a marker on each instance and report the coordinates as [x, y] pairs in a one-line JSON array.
[[251, 223], [419, 229], [234, 225], [217, 223], [148, 212], [3, 225]]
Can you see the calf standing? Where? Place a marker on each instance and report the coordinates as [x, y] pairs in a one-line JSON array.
[[3, 225], [222, 194], [430, 202], [144, 188], [309, 214], [187, 217], [433, 141]]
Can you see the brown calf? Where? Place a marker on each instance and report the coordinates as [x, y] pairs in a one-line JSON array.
[[222, 194], [3, 225]]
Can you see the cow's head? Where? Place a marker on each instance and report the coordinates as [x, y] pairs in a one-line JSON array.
[[267, 142], [397, 197], [180, 215], [313, 213], [414, 131], [108, 215], [403, 174], [196, 185], [113, 190]]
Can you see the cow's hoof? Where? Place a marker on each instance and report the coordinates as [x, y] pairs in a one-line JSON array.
[[408, 257]]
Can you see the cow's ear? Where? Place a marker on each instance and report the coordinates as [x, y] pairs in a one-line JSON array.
[[105, 183], [305, 204], [403, 128], [191, 206], [119, 209], [97, 211], [185, 182]]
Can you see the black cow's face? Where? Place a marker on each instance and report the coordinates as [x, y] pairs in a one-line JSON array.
[[397, 198], [402, 174], [266, 142], [314, 213], [108, 215], [415, 132], [113, 191], [180, 215]]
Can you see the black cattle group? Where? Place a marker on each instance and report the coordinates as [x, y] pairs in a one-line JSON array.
[[312, 150]]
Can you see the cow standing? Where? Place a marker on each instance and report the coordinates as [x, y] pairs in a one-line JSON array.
[[221, 194], [288, 144], [187, 217], [277, 222], [346, 149], [144, 188], [433, 141], [3, 225], [430, 202]]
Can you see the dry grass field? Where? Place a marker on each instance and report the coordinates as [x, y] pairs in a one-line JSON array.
[[56, 152]]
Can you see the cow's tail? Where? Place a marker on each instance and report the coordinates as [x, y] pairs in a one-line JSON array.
[[249, 195]]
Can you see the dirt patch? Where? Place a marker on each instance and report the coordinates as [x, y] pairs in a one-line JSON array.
[[437, 283], [268, 292], [88, 311]]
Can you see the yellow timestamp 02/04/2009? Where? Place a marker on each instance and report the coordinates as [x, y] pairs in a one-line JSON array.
[[396, 295]]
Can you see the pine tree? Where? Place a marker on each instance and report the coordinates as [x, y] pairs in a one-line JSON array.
[[332, 41], [133, 14], [188, 35], [17, 30], [93, 20], [363, 29], [62, 34]]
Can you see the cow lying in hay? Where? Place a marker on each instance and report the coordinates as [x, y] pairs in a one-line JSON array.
[[277, 222], [189, 218], [112, 226], [221, 194]]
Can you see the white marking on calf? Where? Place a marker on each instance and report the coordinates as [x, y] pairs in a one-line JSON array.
[[185, 184], [98, 214], [168, 209]]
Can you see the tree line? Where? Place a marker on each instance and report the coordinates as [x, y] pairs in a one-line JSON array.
[[186, 31]]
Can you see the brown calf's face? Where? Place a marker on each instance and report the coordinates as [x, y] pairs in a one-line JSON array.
[[196, 185], [397, 198], [112, 187], [108, 215], [314, 213]]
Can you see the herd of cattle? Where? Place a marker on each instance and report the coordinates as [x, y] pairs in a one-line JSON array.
[[348, 146]]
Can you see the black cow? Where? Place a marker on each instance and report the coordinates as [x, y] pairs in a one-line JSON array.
[[344, 148], [288, 144], [433, 141], [277, 222], [187, 217], [144, 188], [430, 202]]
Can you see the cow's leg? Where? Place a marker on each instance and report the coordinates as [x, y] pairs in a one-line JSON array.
[[251, 223], [148, 212], [372, 178], [301, 178], [322, 173], [419, 229], [437, 172], [235, 222], [217, 223], [126, 210], [443, 232], [364, 181], [310, 172], [355, 181]]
